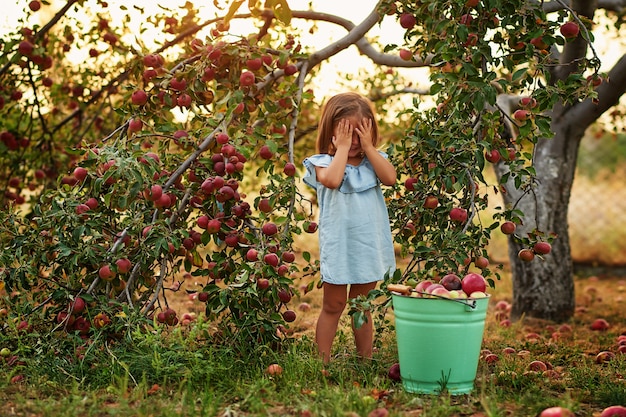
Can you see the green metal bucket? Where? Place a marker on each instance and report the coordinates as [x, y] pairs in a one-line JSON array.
[[439, 342]]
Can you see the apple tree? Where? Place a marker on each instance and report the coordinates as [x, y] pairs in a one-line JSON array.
[[142, 164]]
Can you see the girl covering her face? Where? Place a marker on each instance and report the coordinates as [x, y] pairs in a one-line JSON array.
[[356, 247]]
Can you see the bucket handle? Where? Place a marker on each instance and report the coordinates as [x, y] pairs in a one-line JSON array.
[[406, 290]]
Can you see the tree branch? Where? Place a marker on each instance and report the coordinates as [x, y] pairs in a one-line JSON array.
[[361, 42], [618, 6], [609, 94]]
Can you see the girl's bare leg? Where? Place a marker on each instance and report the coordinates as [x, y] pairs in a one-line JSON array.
[[333, 304], [364, 335]]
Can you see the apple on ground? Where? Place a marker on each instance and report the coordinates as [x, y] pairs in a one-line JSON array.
[[556, 412], [274, 369], [600, 325], [614, 411], [394, 372]]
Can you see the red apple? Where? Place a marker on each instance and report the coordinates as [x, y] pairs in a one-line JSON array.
[[508, 227], [288, 257], [405, 54], [310, 227], [254, 64], [290, 169], [423, 286], [556, 412], [34, 5], [214, 226], [600, 325], [569, 30], [106, 273], [135, 125], [265, 152], [595, 79], [203, 221], [481, 262], [451, 282], [289, 316], [274, 369], [269, 229], [184, 100], [252, 255], [284, 295], [123, 265], [528, 102], [263, 283], [521, 115], [526, 255], [25, 48], [614, 411], [246, 79], [542, 248], [492, 156], [82, 209], [178, 84], [271, 259], [471, 3], [80, 173], [605, 357], [538, 366], [473, 282], [394, 372], [458, 215], [78, 305], [431, 202], [264, 205], [409, 183], [539, 43], [407, 20], [290, 69], [139, 98]]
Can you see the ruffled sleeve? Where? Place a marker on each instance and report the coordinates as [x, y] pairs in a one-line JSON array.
[[319, 160], [355, 179]]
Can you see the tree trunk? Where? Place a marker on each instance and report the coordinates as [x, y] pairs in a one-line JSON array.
[[544, 288]]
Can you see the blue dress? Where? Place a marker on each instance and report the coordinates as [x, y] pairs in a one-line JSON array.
[[356, 246]]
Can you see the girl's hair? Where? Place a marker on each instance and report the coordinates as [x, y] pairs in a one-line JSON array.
[[338, 107]]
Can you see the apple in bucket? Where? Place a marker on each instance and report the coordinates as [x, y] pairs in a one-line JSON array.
[[473, 285]]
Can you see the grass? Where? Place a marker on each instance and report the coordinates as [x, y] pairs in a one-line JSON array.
[[176, 373]]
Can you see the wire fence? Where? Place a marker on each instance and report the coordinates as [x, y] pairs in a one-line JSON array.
[[597, 212]]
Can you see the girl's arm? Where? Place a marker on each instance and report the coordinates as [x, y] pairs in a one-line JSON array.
[[332, 175], [385, 171]]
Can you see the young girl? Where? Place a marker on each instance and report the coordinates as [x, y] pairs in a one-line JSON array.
[[356, 248]]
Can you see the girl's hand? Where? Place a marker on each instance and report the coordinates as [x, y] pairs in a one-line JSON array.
[[343, 135], [364, 130]]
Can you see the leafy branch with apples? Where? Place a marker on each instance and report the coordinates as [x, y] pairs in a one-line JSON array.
[[133, 167]]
